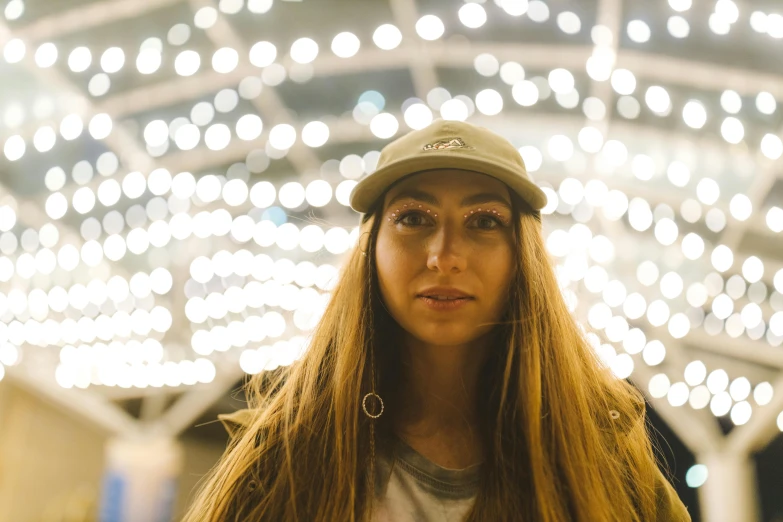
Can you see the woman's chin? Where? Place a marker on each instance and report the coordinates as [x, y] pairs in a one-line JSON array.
[[445, 335]]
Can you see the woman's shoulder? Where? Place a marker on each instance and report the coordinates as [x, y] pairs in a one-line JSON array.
[[670, 507], [614, 419]]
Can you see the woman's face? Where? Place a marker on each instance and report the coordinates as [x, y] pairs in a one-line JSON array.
[[446, 228]]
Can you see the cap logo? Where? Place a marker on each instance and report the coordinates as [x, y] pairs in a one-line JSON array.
[[449, 143]]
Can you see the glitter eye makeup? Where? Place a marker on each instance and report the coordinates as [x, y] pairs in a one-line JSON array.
[[489, 212], [396, 213]]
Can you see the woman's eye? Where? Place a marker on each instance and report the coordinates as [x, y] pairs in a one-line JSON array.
[[414, 215], [488, 219], [482, 221]]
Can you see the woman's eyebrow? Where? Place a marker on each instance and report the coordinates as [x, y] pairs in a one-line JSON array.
[[475, 199]]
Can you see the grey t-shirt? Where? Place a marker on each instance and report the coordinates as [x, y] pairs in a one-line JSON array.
[[411, 488]]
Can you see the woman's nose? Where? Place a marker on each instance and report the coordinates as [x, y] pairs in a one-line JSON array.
[[446, 250]]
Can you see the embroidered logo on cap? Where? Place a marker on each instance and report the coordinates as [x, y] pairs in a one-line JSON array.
[[450, 143]]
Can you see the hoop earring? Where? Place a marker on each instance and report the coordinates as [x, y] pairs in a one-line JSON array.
[[364, 253], [372, 393], [364, 405]]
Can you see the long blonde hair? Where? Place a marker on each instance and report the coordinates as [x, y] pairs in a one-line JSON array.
[[553, 452]]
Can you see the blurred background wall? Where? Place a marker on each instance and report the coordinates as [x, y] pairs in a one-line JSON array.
[[52, 462]]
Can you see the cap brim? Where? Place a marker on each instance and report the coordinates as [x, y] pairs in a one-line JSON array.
[[370, 188]]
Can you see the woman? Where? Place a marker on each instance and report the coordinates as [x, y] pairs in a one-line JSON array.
[[447, 379]]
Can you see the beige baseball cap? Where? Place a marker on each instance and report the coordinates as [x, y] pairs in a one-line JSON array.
[[446, 144]]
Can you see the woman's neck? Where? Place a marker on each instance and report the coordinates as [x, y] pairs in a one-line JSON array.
[[438, 391], [438, 398]]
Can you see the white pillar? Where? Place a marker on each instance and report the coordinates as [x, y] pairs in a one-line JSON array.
[[140, 481], [729, 493]]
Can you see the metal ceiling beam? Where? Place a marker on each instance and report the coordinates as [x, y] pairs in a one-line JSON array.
[[118, 393], [120, 141], [345, 130], [31, 211], [87, 16], [668, 69], [762, 426], [148, 97], [718, 351], [341, 130], [696, 431], [665, 68], [758, 352], [422, 68], [571, 123], [675, 359], [757, 193], [172, 91], [609, 15], [194, 402], [662, 69], [90, 406], [269, 104]]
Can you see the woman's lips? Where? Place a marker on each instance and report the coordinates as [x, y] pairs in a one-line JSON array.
[[445, 304]]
